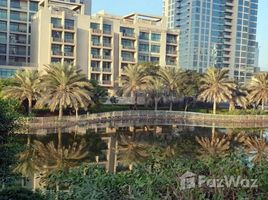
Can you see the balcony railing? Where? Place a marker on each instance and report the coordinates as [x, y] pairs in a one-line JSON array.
[[106, 82], [132, 35], [19, 30], [128, 47], [107, 32], [171, 63], [172, 52], [128, 59], [96, 31], [57, 39], [171, 41], [95, 69], [59, 26], [94, 43], [106, 57], [70, 54], [106, 44], [106, 69], [56, 53], [69, 40], [69, 27], [95, 56]]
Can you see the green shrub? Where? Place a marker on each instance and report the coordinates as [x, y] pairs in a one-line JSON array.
[[19, 194]]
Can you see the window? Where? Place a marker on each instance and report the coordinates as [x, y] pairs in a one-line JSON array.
[[56, 22], [95, 26], [3, 26], [3, 3], [69, 24], [3, 38], [144, 47], [127, 31], [107, 28], [155, 49], [144, 36], [3, 14], [155, 37], [3, 48], [33, 6]]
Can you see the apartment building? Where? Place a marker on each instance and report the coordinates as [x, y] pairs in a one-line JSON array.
[[102, 45], [216, 33], [15, 29]]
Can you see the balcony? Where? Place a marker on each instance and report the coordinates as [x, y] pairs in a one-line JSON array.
[[170, 41], [97, 31], [96, 43], [69, 40], [57, 39], [69, 54], [128, 47], [19, 30], [56, 53], [106, 69], [106, 82], [95, 56], [172, 53], [95, 69], [18, 18], [128, 59], [105, 57], [17, 41], [107, 32], [68, 27], [57, 26], [172, 63], [106, 44], [128, 35]]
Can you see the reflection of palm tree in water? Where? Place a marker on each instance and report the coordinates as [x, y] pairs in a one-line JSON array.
[[214, 147], [27, 166], [130, 151], [257, 148]]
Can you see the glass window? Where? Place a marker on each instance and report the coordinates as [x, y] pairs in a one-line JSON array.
[[144, 36], [144, 47], [155, 49], [107, 28], [3, 26], [56, 22], [155, 37], [3, 3], [3, 14], [3, 38], [69, 24], [33, 6], [95, 26]]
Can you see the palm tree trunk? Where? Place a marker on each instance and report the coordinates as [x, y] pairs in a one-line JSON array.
[[155, 103], [60, 112], [136, 100], [262, 105], [231, 106], [30, 103], [130, 167], [59, 138], [76, 113], [214, 107]]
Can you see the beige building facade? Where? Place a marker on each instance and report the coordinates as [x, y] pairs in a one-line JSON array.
[[102, 45]]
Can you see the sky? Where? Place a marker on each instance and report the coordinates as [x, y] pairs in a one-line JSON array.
[[154, 7]]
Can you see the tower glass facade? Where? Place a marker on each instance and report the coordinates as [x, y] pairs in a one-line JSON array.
[[220, 33]]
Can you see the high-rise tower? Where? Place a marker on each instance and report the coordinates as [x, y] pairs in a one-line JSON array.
[[220, 33]]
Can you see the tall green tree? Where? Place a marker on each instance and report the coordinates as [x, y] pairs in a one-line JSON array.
[[239, 97], [188, 86], [24, 87], [258, 89], [133, 81], [64, 86], [170, 77], [216, 87]]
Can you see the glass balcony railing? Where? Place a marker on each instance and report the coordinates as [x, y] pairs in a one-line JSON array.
[[128, 59], [70, 54], [106, 82], [128, 46], [106, 69], [69, 40], [96, 56], [106, 44], [56, 53], [128, 35], [95, 69], [106, 57], [57, 39]]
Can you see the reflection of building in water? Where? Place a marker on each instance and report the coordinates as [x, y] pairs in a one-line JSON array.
[[124, 145]]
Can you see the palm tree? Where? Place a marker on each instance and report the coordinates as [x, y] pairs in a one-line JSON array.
[[133, 81], [258, 89], [214, 147], [170, 77], [64, 86], [24, 87], [216, 87], [130, 151], [156, 89], [239, 97]]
